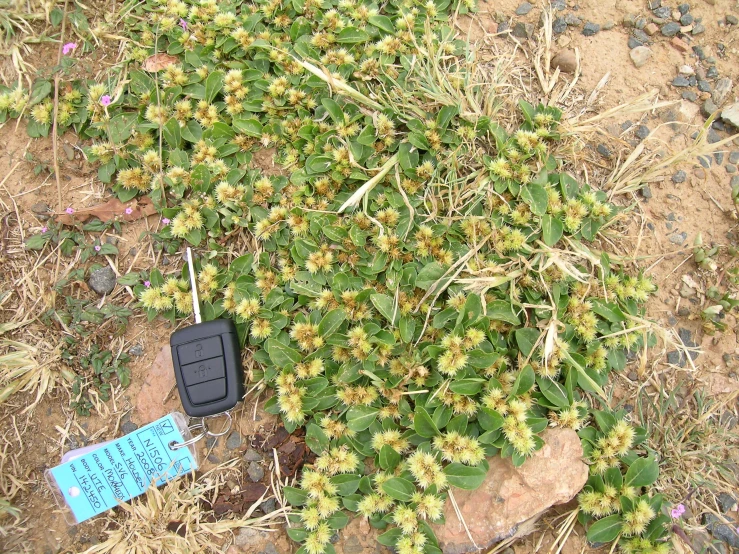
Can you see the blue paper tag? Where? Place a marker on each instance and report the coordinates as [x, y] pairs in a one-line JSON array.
[[122, 469]]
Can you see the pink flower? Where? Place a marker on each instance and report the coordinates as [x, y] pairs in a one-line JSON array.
[[165, 220], [129, 210], [44, 229], [147, 284], [105, 100], [70, 211], [69, 47], [183, 24], [677, 511], [97, 248]]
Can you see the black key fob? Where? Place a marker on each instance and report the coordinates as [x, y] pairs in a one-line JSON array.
[[207, 361], [207, 367]]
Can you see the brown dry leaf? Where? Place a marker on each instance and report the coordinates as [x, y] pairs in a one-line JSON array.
[[157, 62], [112, 209]]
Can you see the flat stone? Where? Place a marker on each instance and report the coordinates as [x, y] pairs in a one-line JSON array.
[[734, 157], [523, 30], [590, 29], [129, 427], [698, 28], [731, 20], [572, 20], [686, 19], [704, 86], [634, 43], [680, 81], [670, 29], [509, 497], [663, 12], [679, 177], [102, 280], [641, 36], [255, 472], [640, 55], [604, 151], [559, 25], [651, 29], [730, 168], [725, 501], [731, 114], [524, 8], [136, 350], [678, 238], [690, 95], [712, 137], [252, 455], [680, 45], [642, 132], [566, 61], [233, 441], [159, 380], [722, 90]]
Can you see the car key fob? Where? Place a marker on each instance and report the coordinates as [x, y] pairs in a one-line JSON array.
[[207, 362]]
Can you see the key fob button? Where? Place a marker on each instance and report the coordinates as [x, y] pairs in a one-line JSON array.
[[207, 392], [199, 350], [200, 372]]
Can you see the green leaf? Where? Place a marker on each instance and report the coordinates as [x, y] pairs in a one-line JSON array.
[[536, 197], [346, 484], [467, 387], [526, 338], [41, 89], [250, 127], [399, 489], [129, 279], [382, 22], [171, 132], [551, 229], [358, 418], [423, 424], [384, 305], [296, 497], [331, 322], [316, 439], [407, 156], [489, 420], [465, 477], [36, 242], [502, 310], [352, 35], [389, 458], [213, 85], [429, 275], [121, 126], [281, 354], [524, 381], [333, 108], [642, 473], [606, 529], [390, 538], [56, 17], [407, 327]]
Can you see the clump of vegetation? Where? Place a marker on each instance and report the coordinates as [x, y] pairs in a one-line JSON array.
[[419, 293]]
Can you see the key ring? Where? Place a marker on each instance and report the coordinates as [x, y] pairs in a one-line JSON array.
[[206, 432]]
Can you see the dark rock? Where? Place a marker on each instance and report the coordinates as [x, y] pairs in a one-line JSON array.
[[719, 157], [604, 151], [686, 336], [590, 29], [233, 441], [699, 52], [698, 28], [730, 168], [725, 501], [704, 86], [734, 157], [41, 208], [670, 29], [646, 192], [559, 26], [720, 530], [136, 350], [255, 472], [252, 455], [712, 72], [678, 238], [102, 280], [713, 137], [503, 26], [633, 43], [663, 12], [523, 30], [641, 36], [687, 19], [718, 125], [213, 459], [640, 23], [705, 161], [111, 240], [642, 132], [727, 420], [524, 8], [680, 81], [559, 5], [683, 8], [628, 125], [572, 20], [675, 358], [708, 107], [654, 4], [690, 95], [679, 177], [129, 427], [693, 80], [210, 442], [633, 376], [731, 20], [268, 506]]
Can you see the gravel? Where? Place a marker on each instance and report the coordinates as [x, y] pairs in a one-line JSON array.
[[712, 72], [136, 350], [633, 43], [663, 12], [721, 531], [642, 132], [129, 427], [670, 29], [683, 8], [604, 151], [687, 19], [573, 20], [559, 26], [680, 81], [699, 52], [255, 472], [690, 95], [233, 441], [524, 8], [252, 455], [678, 238], [679, 177], [730, 168], [102, 280], [698, 28], [719, 157], [731, 20], [704, 86], [734, 157]]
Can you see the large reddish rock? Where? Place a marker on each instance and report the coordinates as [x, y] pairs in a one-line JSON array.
[[150, 403], [511, 498]]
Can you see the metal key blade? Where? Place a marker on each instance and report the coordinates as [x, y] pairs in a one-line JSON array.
[[194, 287]]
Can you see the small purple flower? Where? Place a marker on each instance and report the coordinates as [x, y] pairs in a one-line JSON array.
[[105, 100], [165, 220], [677, 511], [147, 284], [183, 24], [44, 229], [69, 47], [70, 211], [97, 248], [129, 210]]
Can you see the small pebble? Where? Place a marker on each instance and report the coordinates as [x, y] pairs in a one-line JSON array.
[[604, 151], [679, 177], [642, 132], [640, 23], [670, 29], [699, 173], [683, 8], [136, 350], [102, 280], [680, 81], [699, 52], [268, 506], [687, 19], [719, 157], [713, 137], [210, 442], [559, 25], [252, 455], [233, 441], [633, 376], [712, 72], [705, 161], [572, 20], [690, 95], [524, 8], [633, 43], [704, 86], [654, 4], [662, 12], [731, 20], [698, 28], [678, 238], [213, 459], [129, 427], [559, 5], [734, 157], [641, 36], [255, 472], [730, 168], [590, 29], [646, 192]]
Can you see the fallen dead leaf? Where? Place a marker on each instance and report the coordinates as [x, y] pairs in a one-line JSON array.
[[112, 209], [157, 62]]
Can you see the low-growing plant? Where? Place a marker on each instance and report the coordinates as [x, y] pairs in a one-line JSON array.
[[419, 293]]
